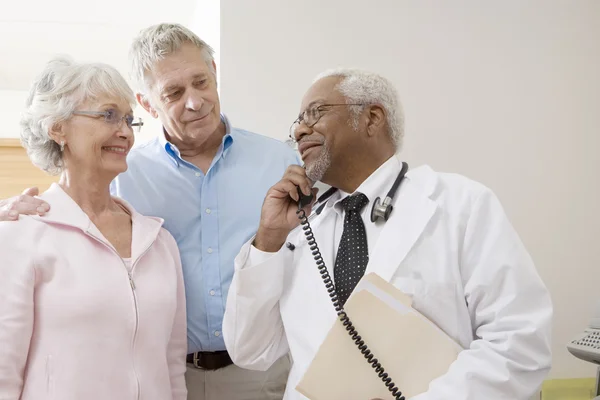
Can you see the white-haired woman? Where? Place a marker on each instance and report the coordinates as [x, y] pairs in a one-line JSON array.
[[92, 301]]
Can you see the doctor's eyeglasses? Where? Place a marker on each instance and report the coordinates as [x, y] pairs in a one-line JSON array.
[[115, 117], [311, 116]]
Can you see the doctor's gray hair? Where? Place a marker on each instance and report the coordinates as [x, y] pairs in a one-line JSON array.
[[365, 87], [59, 89], [158, 41]]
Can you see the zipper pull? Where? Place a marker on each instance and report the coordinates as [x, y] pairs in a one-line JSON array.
[[131, 281]]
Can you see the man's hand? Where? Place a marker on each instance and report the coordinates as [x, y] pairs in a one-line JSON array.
[[278, 216], [25, 204]]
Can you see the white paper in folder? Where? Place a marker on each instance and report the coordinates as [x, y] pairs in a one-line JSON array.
[[412, 349]]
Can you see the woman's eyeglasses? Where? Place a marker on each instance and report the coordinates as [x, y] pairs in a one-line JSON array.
[[115, 117]]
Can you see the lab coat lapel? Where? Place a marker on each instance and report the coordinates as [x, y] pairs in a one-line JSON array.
[[412, 211]]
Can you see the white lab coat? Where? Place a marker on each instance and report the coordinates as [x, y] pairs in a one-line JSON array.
[[448, 244]]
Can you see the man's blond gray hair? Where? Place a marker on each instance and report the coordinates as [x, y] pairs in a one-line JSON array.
[[158, 41], [364, 87], [59, 89]]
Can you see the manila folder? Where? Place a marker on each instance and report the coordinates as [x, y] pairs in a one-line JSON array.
[[411, 349]]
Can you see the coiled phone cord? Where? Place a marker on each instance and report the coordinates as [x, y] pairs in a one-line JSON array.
[[340, 310]]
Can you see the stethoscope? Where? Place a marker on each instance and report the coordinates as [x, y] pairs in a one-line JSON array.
[[380, 210]]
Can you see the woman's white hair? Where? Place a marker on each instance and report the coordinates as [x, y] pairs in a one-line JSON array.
[[364, 87], [157, 41], [58, 90]]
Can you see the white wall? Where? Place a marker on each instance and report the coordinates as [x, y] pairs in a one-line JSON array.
[[506, 92], [32, 33]]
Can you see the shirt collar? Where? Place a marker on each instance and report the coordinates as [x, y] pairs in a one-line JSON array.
[[175, 155], [376, 185]]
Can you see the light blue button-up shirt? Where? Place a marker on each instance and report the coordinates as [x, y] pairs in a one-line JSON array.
[[211, 216]]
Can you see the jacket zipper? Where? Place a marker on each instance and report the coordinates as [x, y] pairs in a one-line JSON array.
[[135, 303], [137, 320], [132, 283]]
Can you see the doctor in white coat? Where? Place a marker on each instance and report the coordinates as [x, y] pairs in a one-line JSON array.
[[447, 243]]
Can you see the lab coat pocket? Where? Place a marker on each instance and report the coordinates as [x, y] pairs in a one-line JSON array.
[[438, 302]]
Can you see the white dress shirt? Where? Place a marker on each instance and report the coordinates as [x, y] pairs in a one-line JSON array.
[[376, 185]]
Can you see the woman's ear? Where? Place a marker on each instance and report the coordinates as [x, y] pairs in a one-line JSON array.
[[57, 133], [376, 119]]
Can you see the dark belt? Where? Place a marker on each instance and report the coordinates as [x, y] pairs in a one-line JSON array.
[[209, 360]]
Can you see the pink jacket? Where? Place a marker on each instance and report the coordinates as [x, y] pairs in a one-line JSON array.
[[75, 324]]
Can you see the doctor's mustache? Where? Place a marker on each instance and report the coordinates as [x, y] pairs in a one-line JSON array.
[[308, 139]]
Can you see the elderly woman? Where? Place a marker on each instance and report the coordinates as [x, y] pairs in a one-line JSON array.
[[92, 301]]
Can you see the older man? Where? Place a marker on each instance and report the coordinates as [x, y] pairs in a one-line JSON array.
[[447, 243], [207, 180]]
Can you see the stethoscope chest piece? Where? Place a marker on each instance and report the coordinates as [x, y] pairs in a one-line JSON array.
[[381, 210]]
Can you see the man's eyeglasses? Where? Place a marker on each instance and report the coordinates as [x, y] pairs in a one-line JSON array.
[[115, 117], [311, 116]]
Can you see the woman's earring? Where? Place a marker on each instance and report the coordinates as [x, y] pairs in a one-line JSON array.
[[62, 145]]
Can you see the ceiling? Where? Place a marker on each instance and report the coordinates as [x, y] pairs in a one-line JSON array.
[[31, 32]]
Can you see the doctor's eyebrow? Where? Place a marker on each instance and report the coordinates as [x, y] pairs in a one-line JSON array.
[[314, 103]]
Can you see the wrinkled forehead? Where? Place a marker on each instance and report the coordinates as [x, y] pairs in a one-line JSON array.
[[322, 91], [178, 67]]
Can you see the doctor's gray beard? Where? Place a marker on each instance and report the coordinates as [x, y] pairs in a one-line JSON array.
[[316, 169]]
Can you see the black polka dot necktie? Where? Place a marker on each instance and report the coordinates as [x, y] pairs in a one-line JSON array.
[[353, 253]]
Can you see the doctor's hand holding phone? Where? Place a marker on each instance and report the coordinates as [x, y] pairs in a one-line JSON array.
[[278, 215]]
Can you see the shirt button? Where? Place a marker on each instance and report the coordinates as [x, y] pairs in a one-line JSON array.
[[208, 211], [212, 292], [217, 333], [198, 174], [209, 250]]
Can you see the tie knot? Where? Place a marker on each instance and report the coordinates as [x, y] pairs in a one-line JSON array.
[[356, 202]]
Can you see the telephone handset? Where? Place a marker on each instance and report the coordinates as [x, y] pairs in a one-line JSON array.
[[305, 200]]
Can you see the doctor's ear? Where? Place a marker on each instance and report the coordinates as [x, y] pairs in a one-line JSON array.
[[145, 103], [376, 119]]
